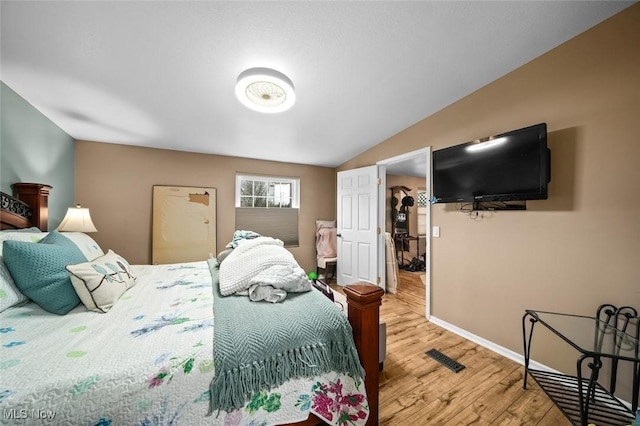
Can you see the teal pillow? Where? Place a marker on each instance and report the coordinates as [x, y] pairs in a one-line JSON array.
[[56, 238], [39, 270]]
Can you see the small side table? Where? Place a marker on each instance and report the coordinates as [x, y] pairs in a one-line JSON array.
[[611, 336]]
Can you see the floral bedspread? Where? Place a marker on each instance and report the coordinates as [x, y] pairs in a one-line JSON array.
[[148, 361]]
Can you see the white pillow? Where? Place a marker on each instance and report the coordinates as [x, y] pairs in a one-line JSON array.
[[85, 243], [9, 293], [100, 282]]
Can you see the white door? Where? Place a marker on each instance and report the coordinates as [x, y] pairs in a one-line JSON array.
[[357, 223]]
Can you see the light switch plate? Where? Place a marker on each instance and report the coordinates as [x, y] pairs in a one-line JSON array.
[[436, 232]]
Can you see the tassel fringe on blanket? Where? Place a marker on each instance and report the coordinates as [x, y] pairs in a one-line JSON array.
[[257, 347], [232, 388]]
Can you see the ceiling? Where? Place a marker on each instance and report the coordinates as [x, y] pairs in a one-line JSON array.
[[162, 74]]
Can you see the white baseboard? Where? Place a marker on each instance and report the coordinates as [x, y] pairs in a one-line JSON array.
[[500, 350]]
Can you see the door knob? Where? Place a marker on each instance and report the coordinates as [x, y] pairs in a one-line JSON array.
[[339, 235]]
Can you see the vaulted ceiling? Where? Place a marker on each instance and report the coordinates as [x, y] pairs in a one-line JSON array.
[[162, 74]]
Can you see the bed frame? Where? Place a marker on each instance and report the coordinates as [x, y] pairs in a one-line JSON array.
[[29, 208]]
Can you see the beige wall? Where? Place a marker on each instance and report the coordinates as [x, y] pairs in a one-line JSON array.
[[115, 182], [581, 247]]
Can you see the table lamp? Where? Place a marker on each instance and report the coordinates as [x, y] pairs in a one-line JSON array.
[[77, 219]]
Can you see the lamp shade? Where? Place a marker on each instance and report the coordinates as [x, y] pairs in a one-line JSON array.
[[77, 219]]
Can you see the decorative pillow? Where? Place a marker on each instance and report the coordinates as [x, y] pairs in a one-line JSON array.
[[101, 282], [57, 239], [86, 244], [9, 293], [39, 271]]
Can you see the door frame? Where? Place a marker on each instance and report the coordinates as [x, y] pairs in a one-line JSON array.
[[382, 173]]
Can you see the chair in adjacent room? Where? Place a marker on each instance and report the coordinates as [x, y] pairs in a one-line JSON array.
[[326, 252]]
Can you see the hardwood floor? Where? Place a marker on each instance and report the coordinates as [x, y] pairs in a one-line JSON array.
[[417, 390]]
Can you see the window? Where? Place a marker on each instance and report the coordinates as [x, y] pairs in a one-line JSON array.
[[422, 197], [268, 205], [268, 192], [422, 211]]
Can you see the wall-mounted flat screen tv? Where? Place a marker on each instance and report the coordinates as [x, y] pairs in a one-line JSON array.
[[513, 166]]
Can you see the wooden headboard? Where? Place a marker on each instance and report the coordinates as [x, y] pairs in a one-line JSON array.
[[28, 208]]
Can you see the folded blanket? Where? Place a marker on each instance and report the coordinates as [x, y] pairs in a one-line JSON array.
[[239, 236], [258, 346], [267, 293], [262, 261]]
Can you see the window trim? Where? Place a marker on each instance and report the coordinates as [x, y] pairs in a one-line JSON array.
[[295, 188]]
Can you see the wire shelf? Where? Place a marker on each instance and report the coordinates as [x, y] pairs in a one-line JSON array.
[[604, 410]]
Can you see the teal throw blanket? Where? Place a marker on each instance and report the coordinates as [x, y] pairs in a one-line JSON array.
[[260, 345]]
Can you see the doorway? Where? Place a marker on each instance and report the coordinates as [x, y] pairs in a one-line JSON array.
[[416, 166]]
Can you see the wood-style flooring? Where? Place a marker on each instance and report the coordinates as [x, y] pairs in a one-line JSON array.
[[417, 390]]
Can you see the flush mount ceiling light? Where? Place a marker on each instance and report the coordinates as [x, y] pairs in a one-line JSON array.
[[265, 90]]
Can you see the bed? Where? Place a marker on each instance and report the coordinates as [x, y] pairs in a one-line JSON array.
[[150, 358]]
